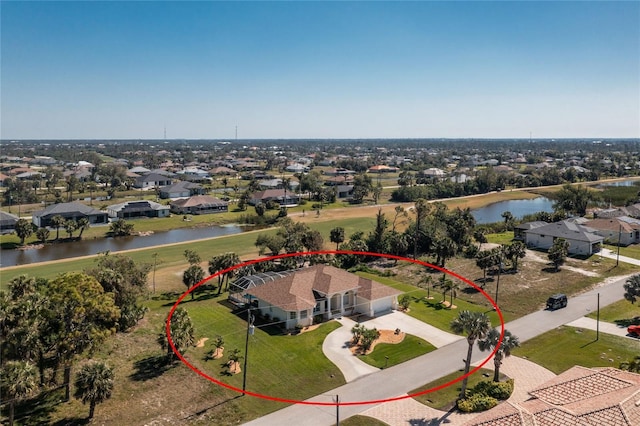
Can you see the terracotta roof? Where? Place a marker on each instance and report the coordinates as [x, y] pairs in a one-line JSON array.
[[579, 396], [299, 290]]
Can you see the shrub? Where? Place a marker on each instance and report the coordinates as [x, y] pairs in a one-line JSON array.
[[477, 402], [497, 390]]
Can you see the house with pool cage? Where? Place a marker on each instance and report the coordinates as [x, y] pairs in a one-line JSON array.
[[314, 294]]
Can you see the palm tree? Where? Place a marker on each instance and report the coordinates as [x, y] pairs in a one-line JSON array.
[[42, 234], [491, 341], [23, 229], [94, 384], [445, 248], [192, 276], [514, 251], [18, 381], [476, 325], [57, 222], [182, 333], [337, 236], [632, 288], [632, 365], [82, 224], [426, 281], [558, 252]]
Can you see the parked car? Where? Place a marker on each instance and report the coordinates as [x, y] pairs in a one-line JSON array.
[[634, 329], [557, 301]]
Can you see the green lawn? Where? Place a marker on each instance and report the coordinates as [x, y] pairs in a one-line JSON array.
[[632, 251], [501, 238], [562, 348], [360, 420], [410, 347], [443, 399], [621, 312], [431, 311]]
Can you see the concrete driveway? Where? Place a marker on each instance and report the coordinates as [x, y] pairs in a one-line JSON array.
[[335, 345]]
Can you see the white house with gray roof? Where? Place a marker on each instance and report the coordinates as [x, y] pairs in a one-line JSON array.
[[582, 240]]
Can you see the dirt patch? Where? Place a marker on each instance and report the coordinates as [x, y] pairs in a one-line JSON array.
[[200, 343], [448, 305], [386, 336]]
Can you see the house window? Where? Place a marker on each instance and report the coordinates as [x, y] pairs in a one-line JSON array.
[[303, 314], [293, 315], [345, 299], [316, 308]]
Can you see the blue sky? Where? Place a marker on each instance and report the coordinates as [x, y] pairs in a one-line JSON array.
[[81, 70]]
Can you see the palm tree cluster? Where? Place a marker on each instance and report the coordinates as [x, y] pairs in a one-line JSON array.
[[45, 325]]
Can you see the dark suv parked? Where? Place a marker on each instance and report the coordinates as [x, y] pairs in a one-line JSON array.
[[557, 301]]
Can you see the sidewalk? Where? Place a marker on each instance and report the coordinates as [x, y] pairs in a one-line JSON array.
[[610, 254], [605, 327]]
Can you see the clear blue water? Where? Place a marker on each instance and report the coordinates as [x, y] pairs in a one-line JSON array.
[[518, 208]]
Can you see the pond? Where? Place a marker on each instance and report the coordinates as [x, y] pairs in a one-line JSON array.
[[90, 247], [518, 208]]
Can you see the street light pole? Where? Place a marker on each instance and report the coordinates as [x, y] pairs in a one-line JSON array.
[[250, 330], [598, 319]]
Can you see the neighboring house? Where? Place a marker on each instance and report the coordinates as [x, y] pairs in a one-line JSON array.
[[579, 396], [434, 172], [382, 169], [135, 209], [297, 168], [322, 291], [582, 239], [139, 170], [623, 229], [73, 210], [519, 230], [222, 171], [344, 191], [276, 195], [7, 222], [3, 178], [199, 204], [151, 180], [632, 211], [181, 189]]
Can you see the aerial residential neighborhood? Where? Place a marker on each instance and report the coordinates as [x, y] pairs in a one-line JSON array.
[[320, 213]]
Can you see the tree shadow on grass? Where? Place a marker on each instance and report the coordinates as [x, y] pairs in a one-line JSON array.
[[74, 421], [624, 323], [37, 410], [150, 368], [551, 270]]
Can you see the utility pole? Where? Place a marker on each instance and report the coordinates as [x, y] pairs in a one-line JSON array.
[[250, 330], [598, 319], [337, 401], [155, 262]]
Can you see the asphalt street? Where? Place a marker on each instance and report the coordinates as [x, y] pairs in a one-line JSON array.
[[401, 379]]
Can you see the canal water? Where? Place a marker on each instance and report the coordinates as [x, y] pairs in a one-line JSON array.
[[90, 247], [518, 208]]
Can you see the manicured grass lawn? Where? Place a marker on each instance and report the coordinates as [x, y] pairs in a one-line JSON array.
[[443, 399], [410, 347], [362, 421], [632, 251], [621, 312], [284, 366], [562, 348], [432, 311]]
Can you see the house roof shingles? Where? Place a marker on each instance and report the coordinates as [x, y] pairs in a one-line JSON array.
[[580, 396], [295, 292]]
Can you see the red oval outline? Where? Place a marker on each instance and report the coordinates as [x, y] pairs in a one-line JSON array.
[[319, 403]]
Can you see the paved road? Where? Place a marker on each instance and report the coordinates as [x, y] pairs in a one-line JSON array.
[[398, 380]]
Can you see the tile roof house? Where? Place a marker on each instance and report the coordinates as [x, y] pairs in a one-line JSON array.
[[199, 204], [73, 210], [582, 239], [580, 396], [624, 229], [321, 290]]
